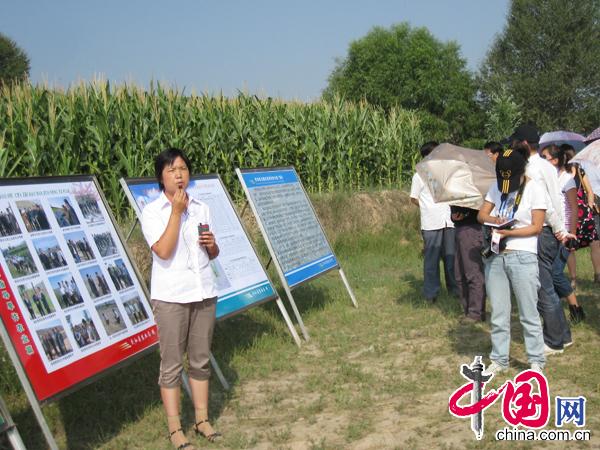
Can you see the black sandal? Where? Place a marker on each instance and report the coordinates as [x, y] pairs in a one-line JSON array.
[[211, 438], [182, 446]]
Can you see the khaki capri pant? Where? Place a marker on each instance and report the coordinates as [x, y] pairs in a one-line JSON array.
[[182, 325]]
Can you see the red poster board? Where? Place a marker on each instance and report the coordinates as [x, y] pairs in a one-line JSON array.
[[71, 297]]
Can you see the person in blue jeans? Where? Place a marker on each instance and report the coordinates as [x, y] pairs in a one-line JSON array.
[[514, 261], [557, 156], [438, 234]]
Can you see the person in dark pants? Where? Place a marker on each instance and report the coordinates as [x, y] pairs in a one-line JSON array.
[[468, 263], [28, 306], [557, 334], [43, 299]]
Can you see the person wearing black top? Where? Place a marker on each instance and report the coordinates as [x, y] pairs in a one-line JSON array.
[[468, 263]]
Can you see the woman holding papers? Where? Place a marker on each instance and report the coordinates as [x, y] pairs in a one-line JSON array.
[[514, 258], [183, 290]]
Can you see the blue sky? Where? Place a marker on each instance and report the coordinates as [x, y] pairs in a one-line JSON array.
[[286, 48]]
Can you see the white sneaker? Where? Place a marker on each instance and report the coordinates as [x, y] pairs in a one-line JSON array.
[[494, 368], [568, 344], [537, 368], [550, 351]]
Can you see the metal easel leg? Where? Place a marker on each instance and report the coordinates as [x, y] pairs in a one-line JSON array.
[[186, 381], [349, 288], [295, 308], [131, 230], [15, 439], [213, 361], [289, 322], [186, 385]]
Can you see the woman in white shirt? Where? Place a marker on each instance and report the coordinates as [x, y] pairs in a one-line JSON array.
[[183, 290], [515, 264], [556, 156]]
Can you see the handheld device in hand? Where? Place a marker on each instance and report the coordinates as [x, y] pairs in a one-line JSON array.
[[202, 227]]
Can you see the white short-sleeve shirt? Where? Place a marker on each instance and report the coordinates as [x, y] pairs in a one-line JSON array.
[[434, 216], [533, 198], [187, 275], [544, 174]]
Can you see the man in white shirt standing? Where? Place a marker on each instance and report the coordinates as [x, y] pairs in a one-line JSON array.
[[438, 233], [557, 334]]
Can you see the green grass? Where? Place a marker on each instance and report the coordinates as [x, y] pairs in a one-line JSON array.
[[374, 377]]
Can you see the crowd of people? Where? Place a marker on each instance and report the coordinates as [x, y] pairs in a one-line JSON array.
[[52, 258], [39, 299], [80, 250], [136, 311], [99, 286], [20, 264], [89, 207], [120, 276], [85, 333], [541, 209], [8, 223], [54, 343], [69, 293], [34, 218], [105, 243]]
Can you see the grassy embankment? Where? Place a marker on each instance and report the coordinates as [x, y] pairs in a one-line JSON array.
[[376, 377]]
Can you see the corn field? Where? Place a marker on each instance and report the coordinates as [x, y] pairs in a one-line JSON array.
[[91, 128]]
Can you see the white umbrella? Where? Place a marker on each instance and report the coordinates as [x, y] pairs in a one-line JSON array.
[[458, 176], [562, 137]]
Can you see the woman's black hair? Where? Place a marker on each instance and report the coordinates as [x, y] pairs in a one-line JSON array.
[[567, 148], [427, 148], [493, 147], [165, 159], [523, 150], [556, 152]]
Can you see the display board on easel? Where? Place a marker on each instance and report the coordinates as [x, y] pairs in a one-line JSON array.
[[290, 226], [71, 296], [242, 280], [73, 306]]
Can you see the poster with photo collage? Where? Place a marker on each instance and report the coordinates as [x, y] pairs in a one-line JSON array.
[[70, 297]]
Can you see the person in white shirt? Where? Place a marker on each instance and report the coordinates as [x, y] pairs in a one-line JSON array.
[[514, 262], [556, 156], [438, 234], [183, 290], [557, 334]]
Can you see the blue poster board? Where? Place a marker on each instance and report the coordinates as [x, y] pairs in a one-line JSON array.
[[289, 223]]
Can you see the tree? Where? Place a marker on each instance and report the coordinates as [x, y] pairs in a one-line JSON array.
[[408, 67], [503, 116], [14, 62], [547, 56]]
